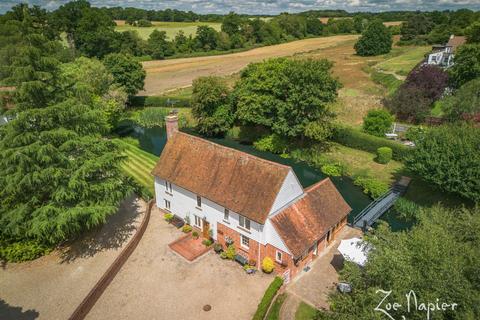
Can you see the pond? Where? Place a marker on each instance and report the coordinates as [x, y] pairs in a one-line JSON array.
[[153, 140]]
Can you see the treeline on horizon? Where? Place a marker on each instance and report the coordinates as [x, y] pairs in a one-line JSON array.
[[90, 31]]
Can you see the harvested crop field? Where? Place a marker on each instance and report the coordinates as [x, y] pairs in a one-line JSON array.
[[166, 75]]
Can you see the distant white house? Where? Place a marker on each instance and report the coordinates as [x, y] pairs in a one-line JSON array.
[[442, 55]]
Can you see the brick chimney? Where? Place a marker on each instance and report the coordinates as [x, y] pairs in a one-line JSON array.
[[171, 122]]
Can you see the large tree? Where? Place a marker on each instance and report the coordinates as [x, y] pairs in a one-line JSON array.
[[158, 45], [448, 157], [464, 102], [375, 40], [289, 97], [467, 64], [438, 258], [127, 72], [211, 105]]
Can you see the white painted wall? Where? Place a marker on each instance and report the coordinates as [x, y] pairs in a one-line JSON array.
[[291, 189], [184, 202], [271, 236]]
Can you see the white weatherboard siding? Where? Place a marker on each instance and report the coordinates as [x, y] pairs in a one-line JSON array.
[[290, 190], [271, 236], [183, 203]]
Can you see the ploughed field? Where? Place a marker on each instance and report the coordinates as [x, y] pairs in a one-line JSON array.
[[166, 75]]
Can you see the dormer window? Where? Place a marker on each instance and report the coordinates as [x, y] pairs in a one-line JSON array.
[[168, 186], [199, 202], [244, 222]]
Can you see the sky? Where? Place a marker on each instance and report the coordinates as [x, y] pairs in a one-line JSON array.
[[264, 6]]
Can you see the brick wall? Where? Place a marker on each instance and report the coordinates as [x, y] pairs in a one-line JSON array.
[[259, 252]]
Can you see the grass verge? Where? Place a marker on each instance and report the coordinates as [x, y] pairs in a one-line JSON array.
[[274, 312], [305, 312]]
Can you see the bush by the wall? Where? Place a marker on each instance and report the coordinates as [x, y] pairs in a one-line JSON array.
[[267, 265], [371, 186], [333, 170], [358, 140], [22, 251], [160, 101], [267, 298], [384, 155]]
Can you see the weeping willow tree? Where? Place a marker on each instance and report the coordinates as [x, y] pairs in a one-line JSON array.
[[59, 175]]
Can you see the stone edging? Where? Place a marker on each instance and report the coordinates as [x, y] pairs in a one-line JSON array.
[[92, 297]]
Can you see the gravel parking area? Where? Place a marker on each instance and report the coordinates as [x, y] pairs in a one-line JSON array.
[[51, 287], [155, 283]]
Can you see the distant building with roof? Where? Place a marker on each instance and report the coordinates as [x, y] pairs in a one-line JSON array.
[[257, 205], [443, 55]]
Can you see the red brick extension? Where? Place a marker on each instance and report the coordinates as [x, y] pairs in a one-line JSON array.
[[188, 247], [258, 251]]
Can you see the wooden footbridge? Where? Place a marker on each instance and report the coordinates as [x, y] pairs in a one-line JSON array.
[[377, 208]]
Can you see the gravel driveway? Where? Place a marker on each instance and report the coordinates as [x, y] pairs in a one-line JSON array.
[[51, 287], [155, 283]]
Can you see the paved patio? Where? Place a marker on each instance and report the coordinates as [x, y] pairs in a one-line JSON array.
[[313, 286], [189, 247], [156, 283]]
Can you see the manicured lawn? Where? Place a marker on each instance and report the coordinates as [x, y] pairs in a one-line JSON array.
[[274, 312], [405, 59], [139, 164], [358, 162], [305, 312], [171, 28]]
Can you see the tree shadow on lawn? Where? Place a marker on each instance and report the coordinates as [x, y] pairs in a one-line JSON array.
[[8, 312], [112, 235]]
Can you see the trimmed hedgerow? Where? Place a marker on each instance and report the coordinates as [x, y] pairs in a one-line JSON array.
[[267, 298], [384, 155], [160, 101], [371, 186], [358, 140]]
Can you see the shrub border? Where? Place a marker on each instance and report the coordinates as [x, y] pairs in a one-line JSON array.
[[267, 299]]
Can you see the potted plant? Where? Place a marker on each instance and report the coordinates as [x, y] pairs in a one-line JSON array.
[[187, 228], [217, 247], [223, 255], [168, 217], [249, 269], [207, 242], [195, 234]]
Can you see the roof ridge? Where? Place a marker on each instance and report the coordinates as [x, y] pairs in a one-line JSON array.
[[316, 185], [246, 154]]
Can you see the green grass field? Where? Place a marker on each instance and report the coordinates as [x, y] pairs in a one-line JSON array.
[[305, 312], [171, 28], [404, 59], [139, 164]]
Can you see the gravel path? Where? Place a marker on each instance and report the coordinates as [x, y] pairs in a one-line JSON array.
[[51, 287], [155, 283]]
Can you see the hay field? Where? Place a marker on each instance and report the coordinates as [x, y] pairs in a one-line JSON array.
[[166, 75], [171, 28]]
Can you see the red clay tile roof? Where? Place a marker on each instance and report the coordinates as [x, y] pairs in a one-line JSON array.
[[308, 219], [456, 41], [243, 183]]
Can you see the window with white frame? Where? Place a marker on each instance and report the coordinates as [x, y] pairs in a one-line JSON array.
[[245, 241], [198, 221], [168, 186], [167, 205], [226, 214], [278, 256], [244, 222], [199, 202]]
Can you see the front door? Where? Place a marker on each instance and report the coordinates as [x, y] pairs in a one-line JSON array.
[[206, 229]]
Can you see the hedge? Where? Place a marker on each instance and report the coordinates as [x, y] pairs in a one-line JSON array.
[[384, 155], [358, 140], [267, 298], [160, 101]]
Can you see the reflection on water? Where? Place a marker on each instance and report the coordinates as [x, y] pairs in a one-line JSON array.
[[153, 140]]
